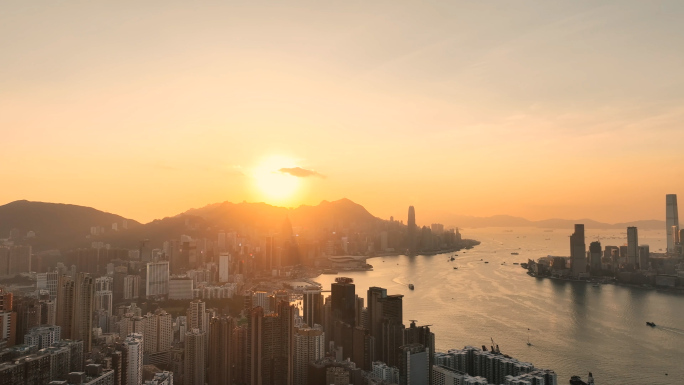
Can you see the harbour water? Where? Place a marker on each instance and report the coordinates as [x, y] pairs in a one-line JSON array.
[[575, 328]]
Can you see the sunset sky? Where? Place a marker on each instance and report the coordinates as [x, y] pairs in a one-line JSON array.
[[537, 109]]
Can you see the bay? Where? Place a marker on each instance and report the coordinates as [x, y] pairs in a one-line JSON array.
[[575, 328]]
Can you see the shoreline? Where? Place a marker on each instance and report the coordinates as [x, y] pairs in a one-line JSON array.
[[673, 290], [317, 272]]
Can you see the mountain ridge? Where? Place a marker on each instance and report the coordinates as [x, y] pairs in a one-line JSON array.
[[64, 226]]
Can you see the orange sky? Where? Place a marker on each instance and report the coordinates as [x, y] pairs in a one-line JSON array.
[[538, 110]]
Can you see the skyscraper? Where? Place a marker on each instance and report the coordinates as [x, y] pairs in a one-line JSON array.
[[344, 301], [220, 351], [632, 246], [411, 231], [83, 310], [133, 350], [595, 255], [578, 251], [385, 322], [195, 342], [313, 307], [270, 348], [65, 305], [671, 221], [195, 315]]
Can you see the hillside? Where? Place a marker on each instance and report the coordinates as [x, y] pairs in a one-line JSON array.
[[56, 226], [326, 215]]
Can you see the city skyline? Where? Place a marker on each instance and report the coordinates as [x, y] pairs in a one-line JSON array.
[[446, 192], [142, 112]]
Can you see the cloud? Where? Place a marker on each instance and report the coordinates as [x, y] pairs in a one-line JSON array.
[[300, 172]]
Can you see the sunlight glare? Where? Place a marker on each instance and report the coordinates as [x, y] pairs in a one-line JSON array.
[[275, 186]]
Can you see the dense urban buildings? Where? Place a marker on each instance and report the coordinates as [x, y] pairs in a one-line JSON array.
[[200, 311]]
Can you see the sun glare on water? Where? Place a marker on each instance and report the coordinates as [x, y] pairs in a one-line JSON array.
[[275, 186]]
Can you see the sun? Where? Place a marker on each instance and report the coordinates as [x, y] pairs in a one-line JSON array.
[[273, 185]]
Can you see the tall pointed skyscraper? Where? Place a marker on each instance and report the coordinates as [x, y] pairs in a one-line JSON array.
[[671, 221], [411, 233]]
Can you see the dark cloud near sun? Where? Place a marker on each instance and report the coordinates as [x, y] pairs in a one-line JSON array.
[[301, 172]]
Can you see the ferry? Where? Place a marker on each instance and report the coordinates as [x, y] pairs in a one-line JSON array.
[[411, 286]]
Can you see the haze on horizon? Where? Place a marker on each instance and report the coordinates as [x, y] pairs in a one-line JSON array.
[[539, 110]]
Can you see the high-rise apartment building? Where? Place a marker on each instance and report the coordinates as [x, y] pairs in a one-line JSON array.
[[578, 251], [196, 315], [156, 328], [42, 336], [632, 246], [82, 324], [194, 366], [309, 346], [48, 281], [422, 335], [133, 349], [157, 279], [270, 346], [224, 267], [131, 286], [28, 312], [103, 301], [671, 221], [65, 304], [220, 365], [413, 365]]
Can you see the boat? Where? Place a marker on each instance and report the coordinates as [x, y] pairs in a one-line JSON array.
[[515, 253], [455, 268], [329, 271], [528, 337], [651, 324], [515, 263], [451, 259], [486, 261], [411, 286], [596, 284]]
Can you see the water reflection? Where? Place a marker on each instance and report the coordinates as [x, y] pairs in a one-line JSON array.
[[575, 327]]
